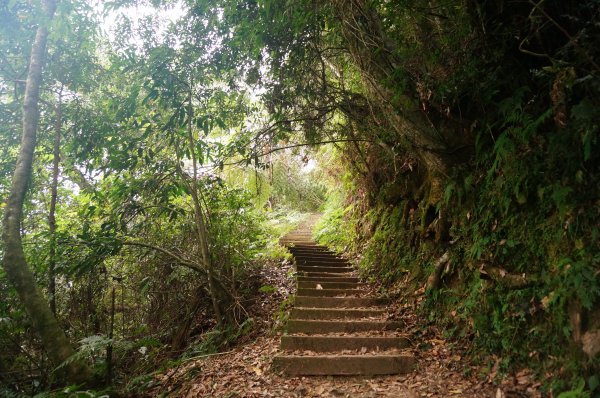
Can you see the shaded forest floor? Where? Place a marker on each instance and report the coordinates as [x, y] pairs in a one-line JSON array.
[[245, 370]]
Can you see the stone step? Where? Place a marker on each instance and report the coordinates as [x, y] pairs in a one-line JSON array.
[[338, 302], [327, 263], [334, 269], [329, 292], [312, 248], [317, 252], [321, 279], [326, 285], [307, 274], [327, 320], [323, 327], [303, 244], [335, 313], [321, 261], [343, 365], [341, 343]]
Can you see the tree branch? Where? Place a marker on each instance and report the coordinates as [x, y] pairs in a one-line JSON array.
[[183, 262]]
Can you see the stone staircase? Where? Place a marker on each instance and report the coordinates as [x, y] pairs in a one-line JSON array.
[[336, 327]]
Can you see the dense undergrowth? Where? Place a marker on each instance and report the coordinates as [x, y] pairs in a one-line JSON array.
[[521, 278], [507, 245], [521, 283], [135, 310]]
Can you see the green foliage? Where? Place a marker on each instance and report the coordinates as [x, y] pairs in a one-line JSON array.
[[335, 229], [206, 104], [294, 187], [526, 202], [578, 392], [282, 314], [267, 289], [216, 340]]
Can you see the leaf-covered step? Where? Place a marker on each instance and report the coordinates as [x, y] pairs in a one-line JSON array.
[[328, 262], [322, 327], [326, 285], [334, 269], [329, 292], [328, 278], [338, 302], [300, 251], [344, 364], [343, 343], [335, 313]]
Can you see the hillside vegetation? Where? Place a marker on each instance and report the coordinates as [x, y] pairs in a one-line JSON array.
[[152, 153]]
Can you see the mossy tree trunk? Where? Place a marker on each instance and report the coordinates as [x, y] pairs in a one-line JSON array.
[[14, 262]]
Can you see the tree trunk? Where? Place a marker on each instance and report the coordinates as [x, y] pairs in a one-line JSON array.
[[14, 262], [200, 220], [52, 212]]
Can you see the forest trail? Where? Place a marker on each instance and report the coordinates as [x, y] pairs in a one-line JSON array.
[[272, 365], [336, 326]]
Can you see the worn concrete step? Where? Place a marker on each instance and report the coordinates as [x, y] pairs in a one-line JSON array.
[[335, 313], [314, 254], [325, 262], [307, 246], [348, 326], [312, 268], [329, 292], [314, 248], [311, 251], [344, 365], [303, 244], [307, 274], [338, 302], [327, 265], [326, 285], [317, 255], [321, 279], [332, 262], [342, 343]]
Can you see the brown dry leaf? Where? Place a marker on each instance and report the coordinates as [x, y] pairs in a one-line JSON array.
[[257, 370]]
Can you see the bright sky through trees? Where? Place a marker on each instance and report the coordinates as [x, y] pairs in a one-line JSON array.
[[137, 14]]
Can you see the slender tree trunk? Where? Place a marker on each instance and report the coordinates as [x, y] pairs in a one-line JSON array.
[[200, 220], [109, 349], [52, 212], [15, 265]]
